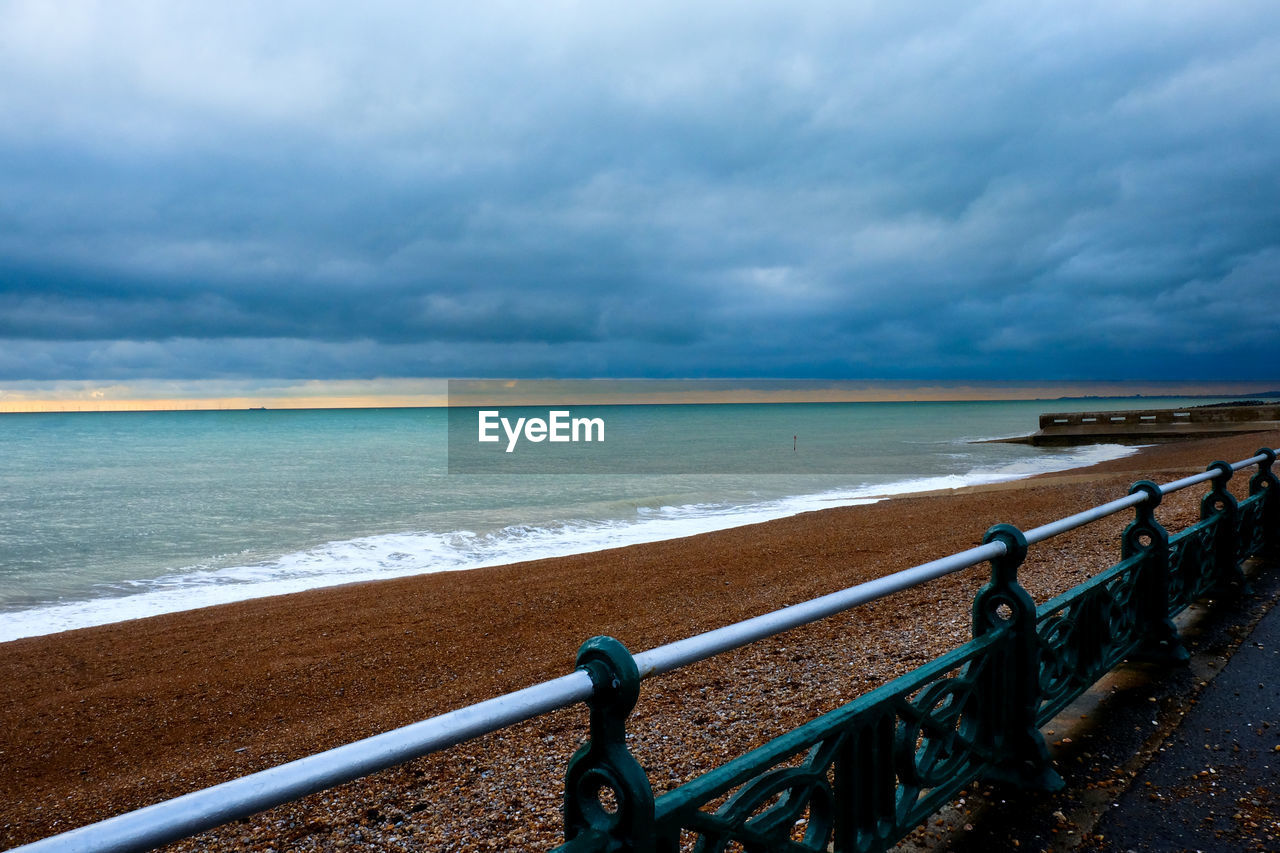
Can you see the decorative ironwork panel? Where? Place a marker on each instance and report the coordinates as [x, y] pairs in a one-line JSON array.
[[1251, 538], [856, 779], [1192, 563], [1086, 632], [1261, 484]]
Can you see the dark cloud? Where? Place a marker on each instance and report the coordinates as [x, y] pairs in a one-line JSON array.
[[995, 190]]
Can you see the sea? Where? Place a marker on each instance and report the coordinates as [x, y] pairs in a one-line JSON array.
[[109, 516]]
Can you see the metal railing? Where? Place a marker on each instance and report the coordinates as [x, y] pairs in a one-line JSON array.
[[875, 768]]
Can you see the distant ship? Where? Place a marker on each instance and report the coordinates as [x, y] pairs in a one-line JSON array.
[[257, 408]]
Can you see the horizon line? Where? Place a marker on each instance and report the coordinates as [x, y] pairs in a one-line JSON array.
[[84, 397]]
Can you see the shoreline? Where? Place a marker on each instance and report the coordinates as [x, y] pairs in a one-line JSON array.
[[75, 615], [101, 720]]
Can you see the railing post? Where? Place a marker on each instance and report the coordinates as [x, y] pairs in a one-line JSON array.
[[608, 802], [1226, 545], [1265, 480], [1144, 535], [1013, 683]]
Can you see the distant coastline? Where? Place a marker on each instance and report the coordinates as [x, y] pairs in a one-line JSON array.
[[26, 398]]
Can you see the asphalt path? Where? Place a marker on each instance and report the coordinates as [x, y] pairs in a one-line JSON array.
[[1154, 758], [1214, 785]]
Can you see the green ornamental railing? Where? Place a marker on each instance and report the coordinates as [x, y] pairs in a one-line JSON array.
[[863, 776]]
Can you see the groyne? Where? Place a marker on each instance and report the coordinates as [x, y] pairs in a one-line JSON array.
[[1150, 426]]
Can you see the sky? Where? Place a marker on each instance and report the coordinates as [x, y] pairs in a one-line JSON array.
[[1014, 191]]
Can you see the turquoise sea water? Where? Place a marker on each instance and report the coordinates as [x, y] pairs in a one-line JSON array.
[[111, 516]]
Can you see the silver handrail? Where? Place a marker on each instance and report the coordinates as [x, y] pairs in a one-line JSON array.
[[171, 820]]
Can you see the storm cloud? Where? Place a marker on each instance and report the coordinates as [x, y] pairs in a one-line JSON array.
[[1003, 190]]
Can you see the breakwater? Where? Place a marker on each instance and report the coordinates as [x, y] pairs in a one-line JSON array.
[[1150, 426]]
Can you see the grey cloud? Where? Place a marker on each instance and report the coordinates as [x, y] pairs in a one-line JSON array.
[[993, 190]]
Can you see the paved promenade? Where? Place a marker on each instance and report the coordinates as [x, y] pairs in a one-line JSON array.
[[1155, 761], [1215, 784]]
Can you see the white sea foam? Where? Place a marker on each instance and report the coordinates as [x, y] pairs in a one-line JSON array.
[[415, 553]]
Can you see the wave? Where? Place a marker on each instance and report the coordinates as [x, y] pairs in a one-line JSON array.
[[395, 555]]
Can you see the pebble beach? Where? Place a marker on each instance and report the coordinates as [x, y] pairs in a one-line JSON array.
[[103, 720]]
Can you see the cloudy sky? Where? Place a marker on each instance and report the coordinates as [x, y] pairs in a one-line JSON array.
[[952, 191]]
